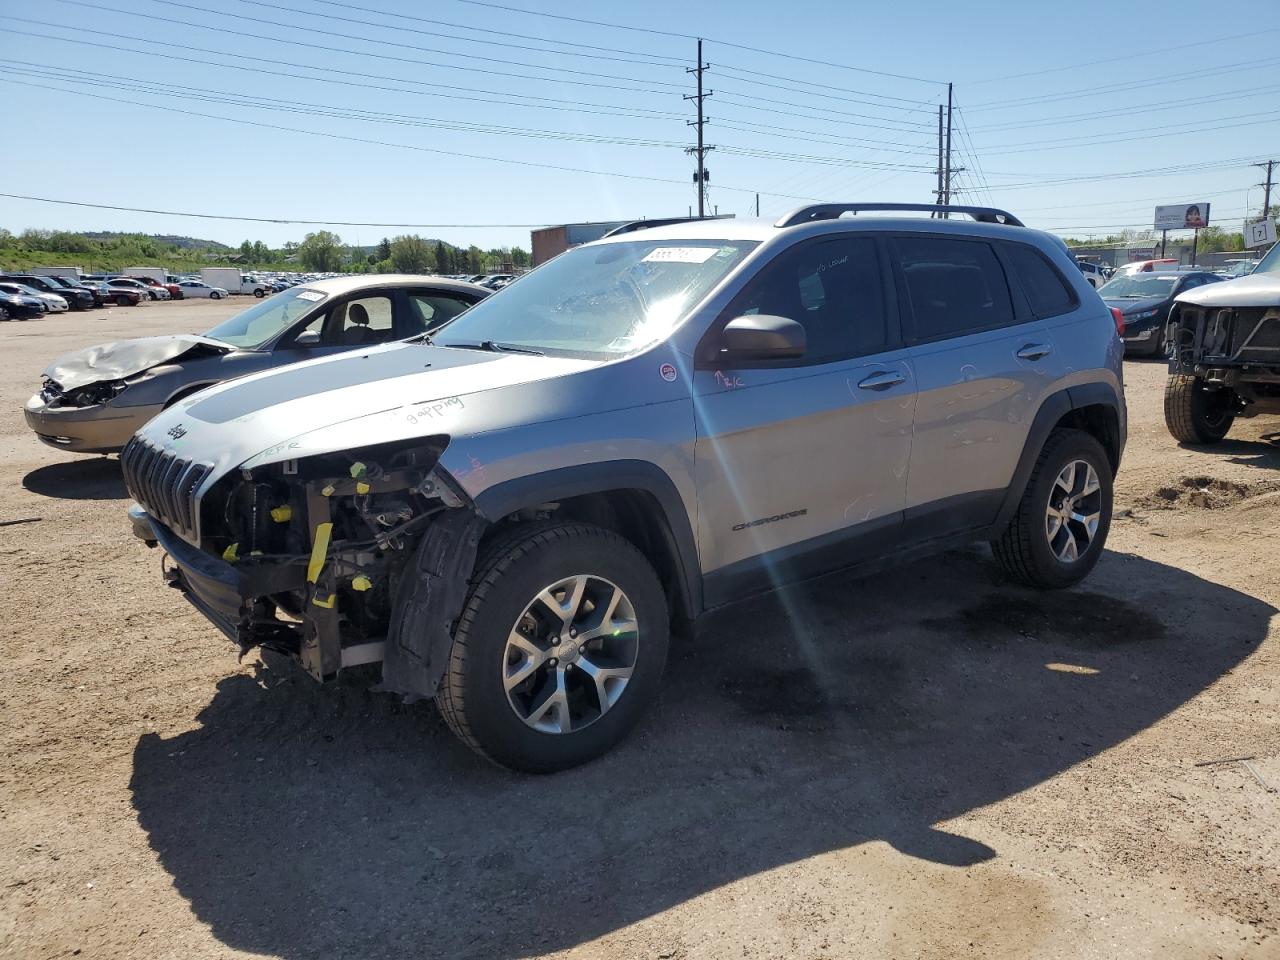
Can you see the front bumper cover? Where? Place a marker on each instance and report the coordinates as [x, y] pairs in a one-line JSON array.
[[98, 429]]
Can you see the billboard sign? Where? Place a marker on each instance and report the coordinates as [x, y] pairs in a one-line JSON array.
[[1260, 233], [1182, 216]]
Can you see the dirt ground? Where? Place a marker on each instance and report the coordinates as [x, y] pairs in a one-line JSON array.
[[927, 763]]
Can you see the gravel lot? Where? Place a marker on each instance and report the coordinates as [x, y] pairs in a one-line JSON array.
[[927, 763]]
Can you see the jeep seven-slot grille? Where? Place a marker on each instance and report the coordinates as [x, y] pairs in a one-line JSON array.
[[164, 483]]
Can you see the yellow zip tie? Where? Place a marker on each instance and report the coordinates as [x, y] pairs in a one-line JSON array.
[[282, 514], [327, 491], [361, 487], [361, 583], [232, 553]]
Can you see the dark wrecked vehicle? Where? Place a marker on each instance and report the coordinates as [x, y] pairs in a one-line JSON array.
[[1224, 354], [94, 400]]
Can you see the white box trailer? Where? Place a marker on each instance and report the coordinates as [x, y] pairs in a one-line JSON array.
[[71, 273], [157, 274], [228, 278]]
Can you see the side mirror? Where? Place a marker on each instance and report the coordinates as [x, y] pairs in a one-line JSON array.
[[307, 338], [763, 337]]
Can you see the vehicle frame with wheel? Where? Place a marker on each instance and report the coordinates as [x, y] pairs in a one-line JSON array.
[[515, 515], [1223, 343]]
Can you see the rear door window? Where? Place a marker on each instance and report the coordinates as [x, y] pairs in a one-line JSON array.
[[432, 309], [953, 286], [1045, 290]]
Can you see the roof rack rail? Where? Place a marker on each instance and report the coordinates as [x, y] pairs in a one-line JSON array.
[[832, 211], [635, 225]]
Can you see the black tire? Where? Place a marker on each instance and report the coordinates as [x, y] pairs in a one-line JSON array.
[[122, 301], [1023, 549], [259, 293], [215, 295], [1195, 414], [4, 313], [509, 574]]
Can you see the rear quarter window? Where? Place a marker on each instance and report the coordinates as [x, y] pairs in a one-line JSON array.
[[1046, 291]]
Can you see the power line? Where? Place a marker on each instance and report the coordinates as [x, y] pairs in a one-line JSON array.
[[1127, 56], [276, 220], [1127, 85], [1173, 130], [685, 36], [542, 103], [402, 146], [626, 58], [408, 46], [115, 81]]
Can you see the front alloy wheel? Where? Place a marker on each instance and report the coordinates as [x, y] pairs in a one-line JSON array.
[[570, 654], [559, 648]]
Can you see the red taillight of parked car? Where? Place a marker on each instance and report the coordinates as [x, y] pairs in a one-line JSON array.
[[1119, 318]]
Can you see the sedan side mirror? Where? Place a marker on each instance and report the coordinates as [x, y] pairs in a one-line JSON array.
[[763, 337], [307, 338]]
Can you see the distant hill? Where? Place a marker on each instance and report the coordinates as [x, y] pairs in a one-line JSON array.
[[186, 243]]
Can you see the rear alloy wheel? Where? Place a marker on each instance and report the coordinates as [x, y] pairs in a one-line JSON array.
[[1060, 525], [1195, 413], [559, 648]]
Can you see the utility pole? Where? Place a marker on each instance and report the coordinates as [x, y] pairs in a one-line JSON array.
[[946, 183], [701, 150], [1266, 187], [937, 193]]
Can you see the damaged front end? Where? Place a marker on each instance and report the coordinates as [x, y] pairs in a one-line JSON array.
[[1233, 347], [336, 560]]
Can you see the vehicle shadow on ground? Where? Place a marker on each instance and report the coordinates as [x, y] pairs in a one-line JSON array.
[[1263, 452], [96, 478], [307, 822]]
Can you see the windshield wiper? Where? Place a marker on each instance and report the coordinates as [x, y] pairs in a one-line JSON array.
[[422, 337], [493, 346]]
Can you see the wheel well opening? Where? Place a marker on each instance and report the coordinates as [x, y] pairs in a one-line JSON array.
[[636, 516], [1102, 423]]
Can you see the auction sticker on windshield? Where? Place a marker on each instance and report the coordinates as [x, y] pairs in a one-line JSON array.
[[312, 295], [680, 254]]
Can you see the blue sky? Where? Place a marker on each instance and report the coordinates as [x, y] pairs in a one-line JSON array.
[[269, 103]]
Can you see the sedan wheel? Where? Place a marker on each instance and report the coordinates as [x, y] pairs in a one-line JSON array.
[[215, 295], [122, 301]]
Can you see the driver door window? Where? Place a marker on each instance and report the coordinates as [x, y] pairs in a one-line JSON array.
[[355, 323], [431, 309]]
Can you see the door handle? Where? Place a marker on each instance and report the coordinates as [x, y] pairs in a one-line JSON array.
[[1034, 351], [882, 380]]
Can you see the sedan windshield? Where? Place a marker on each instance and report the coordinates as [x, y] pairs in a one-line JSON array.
[[260, 323], [605, 300], [1271, 262], [1140, 286]]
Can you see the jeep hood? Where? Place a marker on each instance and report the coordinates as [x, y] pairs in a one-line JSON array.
[[124, 358], [400, 391], [1255, 290]]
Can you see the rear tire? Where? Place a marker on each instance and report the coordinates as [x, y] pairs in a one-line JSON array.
[[1036, 550], [534, 560], [1195, 414], [122, 301]]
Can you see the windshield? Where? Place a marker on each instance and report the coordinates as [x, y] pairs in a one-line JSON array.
[[603, 300], [261, 323], [1142, 285], [1271, 262]]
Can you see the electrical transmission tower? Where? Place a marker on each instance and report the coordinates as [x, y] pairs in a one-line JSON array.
[[701, 150]]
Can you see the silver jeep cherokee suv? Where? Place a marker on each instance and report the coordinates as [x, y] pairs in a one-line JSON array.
[[511, 514]]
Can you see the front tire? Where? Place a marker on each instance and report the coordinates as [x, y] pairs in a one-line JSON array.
[[559, 648], [1059, 528], [215, 295], [259, 293], [1195, 414], [122, 301]]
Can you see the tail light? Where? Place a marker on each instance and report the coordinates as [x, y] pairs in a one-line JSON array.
[[1119, 318]]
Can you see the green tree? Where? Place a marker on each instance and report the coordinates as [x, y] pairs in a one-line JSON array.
[[383, 252], [246, 251], [475, 259], [411, 254], [444, 261], [519, 258], [321, 251], [261, 253]]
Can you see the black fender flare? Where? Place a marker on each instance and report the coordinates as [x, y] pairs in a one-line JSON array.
[[673, 524], [1052, 410]]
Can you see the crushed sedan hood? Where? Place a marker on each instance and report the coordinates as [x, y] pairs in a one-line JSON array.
[[1255, 290], [124, 358], [1128, 306]]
